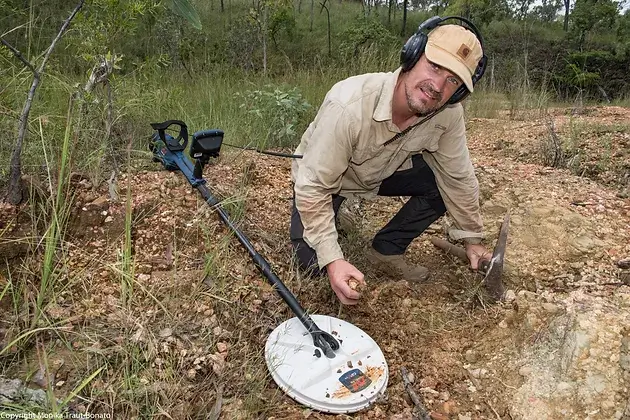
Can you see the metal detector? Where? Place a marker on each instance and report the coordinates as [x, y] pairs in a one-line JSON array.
[[337, 368]]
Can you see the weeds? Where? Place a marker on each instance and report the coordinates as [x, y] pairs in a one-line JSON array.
[[57, 219]]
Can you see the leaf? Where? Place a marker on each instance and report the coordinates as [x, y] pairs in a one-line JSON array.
[[185, 9]]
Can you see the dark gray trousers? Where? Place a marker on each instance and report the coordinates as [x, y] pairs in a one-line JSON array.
[[423, 208]]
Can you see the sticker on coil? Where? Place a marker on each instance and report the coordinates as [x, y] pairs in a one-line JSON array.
[[355, 380]]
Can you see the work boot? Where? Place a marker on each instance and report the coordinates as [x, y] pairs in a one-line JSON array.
[[396, 265], [347, 217]]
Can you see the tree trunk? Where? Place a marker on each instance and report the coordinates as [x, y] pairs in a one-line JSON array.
[[222, 6], [404, 22], [567, 4], [14, 192], [264, 40], [328, 19], [312, 14]]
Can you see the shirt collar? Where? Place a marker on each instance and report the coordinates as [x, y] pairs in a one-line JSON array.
[[383, 109]]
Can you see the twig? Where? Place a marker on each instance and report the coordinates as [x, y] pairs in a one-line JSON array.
[[493, 410], [420, 411], [19, 55], [506, 385]]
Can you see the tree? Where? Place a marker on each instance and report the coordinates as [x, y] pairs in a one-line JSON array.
[[547, 11], [480, 12], [264, 15], [567, 8], [14, 191], [404, 22], [521, 8], [588, 15]]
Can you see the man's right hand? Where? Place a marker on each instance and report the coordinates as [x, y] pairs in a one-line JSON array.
[[340, 272]]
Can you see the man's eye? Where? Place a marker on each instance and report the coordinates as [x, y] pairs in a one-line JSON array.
[[453, 81]]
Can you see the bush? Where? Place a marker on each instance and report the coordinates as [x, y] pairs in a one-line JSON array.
[[275, 112]]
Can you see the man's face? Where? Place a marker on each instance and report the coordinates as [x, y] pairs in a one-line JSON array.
[[428, 86]]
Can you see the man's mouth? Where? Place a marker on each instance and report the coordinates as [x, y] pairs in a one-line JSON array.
[[431, 94]]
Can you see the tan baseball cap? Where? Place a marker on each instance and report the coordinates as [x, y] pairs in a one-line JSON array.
[[456, 49]]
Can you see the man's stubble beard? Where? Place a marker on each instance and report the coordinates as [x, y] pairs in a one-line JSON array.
[[417, 106]]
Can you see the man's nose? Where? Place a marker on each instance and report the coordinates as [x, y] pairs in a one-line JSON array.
[[440, 81]]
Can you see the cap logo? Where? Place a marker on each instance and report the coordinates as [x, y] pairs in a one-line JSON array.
[[463, 51]]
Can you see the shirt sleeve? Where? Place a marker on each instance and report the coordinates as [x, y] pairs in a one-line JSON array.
[[455, 177], [325, 160]]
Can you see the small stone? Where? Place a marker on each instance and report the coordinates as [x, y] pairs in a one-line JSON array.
[[449, 407], [166, 332], [551, 308], [503, 324], [510, 296], [563, 386], [479, 373], [109, 219], [470, 356], [525, 371]]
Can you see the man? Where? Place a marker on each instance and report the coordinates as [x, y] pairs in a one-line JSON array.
[[357, 144]]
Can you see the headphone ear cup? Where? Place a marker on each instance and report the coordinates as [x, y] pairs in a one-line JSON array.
[[459, 95], [462, 91], [412, 50]]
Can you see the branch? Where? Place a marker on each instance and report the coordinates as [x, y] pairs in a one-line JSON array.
[[61, 31], [420, 410], [18, 55]]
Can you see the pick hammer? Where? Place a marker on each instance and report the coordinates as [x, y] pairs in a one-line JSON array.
[[492, 268]]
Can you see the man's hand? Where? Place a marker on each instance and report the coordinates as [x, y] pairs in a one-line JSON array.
[[340, 274], [476, 253]]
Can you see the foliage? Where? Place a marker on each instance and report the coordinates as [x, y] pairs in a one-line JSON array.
[[589, 15], [366, 34], [278, 110], [547, 10], [108, 24], [480, 11]]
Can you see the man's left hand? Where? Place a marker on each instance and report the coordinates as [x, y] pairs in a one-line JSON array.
[[476, 253]]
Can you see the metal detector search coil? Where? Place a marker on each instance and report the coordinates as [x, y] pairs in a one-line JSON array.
[[350, 382], [337, 369]]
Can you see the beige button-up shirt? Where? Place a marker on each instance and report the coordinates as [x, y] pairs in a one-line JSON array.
[[345, 152]]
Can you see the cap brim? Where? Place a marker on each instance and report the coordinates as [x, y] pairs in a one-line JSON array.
[[442, 58]]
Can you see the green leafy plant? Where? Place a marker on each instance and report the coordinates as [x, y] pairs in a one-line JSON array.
[[366, 34], [276, 113]]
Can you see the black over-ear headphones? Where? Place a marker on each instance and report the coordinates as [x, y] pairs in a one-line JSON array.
[[414, 48]]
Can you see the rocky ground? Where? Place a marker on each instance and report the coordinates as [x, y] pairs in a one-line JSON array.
[[189, 336]]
